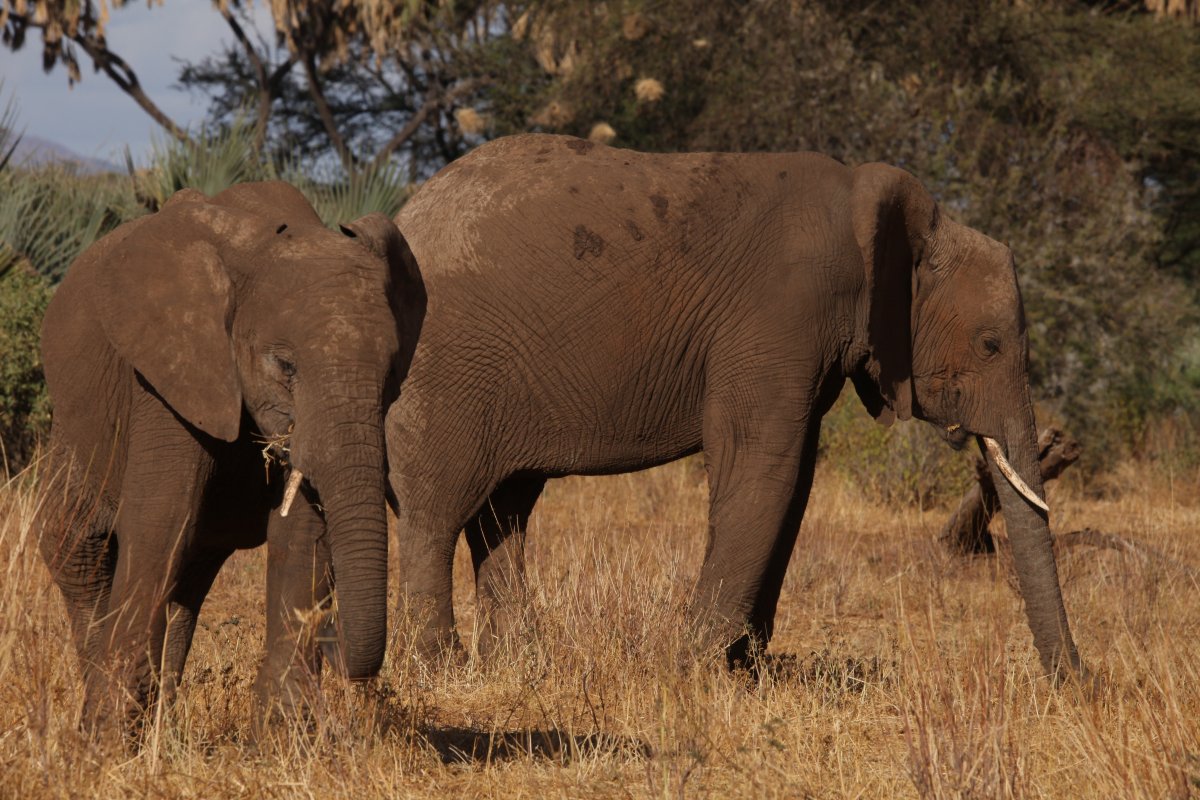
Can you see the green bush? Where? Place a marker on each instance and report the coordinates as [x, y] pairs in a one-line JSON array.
[[213, 162], [24, 403], [216, 160], [906, 463], [49, 215], [340, 199]]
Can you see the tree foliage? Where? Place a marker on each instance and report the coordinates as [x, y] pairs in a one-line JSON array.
[[368, 80], [24, 404], [1068, 128]]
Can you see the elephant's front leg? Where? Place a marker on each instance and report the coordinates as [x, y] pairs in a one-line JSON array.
[[299, 586], [425, 549], [195, 579], [760, 473]]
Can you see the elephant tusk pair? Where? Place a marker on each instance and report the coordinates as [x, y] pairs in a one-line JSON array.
[[993, 449], [289, 491]]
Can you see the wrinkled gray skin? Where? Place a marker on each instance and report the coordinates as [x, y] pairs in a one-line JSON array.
[[595, 311], [173, 347]]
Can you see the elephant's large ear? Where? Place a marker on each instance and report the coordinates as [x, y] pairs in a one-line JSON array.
[[165, 302], [381, 236], [893, 217]]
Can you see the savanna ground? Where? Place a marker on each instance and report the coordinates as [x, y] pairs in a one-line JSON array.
[[898, 670]]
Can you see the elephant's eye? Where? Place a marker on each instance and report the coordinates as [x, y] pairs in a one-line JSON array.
[[286, 367], [986, 343]]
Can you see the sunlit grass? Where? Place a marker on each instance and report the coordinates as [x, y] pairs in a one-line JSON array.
[[897, 670]]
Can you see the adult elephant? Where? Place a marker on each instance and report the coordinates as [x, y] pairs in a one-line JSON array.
[[179, 351], [596, 310]]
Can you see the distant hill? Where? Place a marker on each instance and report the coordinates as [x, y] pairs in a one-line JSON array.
[[34, 151]]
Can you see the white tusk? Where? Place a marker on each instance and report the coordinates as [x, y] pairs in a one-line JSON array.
[[993, 448], [289, 491]]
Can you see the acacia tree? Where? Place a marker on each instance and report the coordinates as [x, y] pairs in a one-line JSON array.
[[1069, 128], [68, 27], [346, 71]]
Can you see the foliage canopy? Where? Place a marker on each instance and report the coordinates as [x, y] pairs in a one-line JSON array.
[[1068, 128]]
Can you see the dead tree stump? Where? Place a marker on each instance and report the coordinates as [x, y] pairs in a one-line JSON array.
[[967, 529]]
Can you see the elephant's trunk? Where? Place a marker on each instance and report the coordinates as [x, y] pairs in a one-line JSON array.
[[1033, 554], [349, 477]]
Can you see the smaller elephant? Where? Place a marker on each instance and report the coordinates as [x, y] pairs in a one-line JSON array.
[[180, 351]]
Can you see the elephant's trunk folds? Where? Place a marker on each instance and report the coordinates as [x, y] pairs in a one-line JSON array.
[[349, 476], [358, 540], [1032, 550]]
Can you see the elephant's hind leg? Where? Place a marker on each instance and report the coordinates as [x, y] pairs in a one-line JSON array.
[[165, 478], [76, 541], [438, 489], [425, 543], [497, 539], [83, 571]]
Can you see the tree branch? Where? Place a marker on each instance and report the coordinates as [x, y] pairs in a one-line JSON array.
[[418, 119], [117, 69], [318, 96], [123, 75], [1111, 541], [265, 96]]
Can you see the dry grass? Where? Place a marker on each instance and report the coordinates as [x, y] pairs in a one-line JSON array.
[[899, 671]]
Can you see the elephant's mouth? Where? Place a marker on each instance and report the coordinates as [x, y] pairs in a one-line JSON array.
[[277, 449], [955, 435]]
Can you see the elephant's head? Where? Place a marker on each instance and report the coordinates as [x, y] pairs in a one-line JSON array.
[[251, 318], [944, 331]]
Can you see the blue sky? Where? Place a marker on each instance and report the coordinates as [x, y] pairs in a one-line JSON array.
[[95, 118]]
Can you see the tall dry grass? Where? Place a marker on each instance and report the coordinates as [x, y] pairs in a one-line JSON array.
[[897, 670]]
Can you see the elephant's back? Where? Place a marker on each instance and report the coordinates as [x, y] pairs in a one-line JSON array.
[[583, 206]]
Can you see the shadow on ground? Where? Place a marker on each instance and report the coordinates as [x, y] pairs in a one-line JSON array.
[[467, 746]]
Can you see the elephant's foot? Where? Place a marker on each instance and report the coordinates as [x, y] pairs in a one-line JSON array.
[[1091, 686], [427, 635], [437, 648], [118, 709], [507, 630], [283, 703], [747, 654], [742, 644]]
